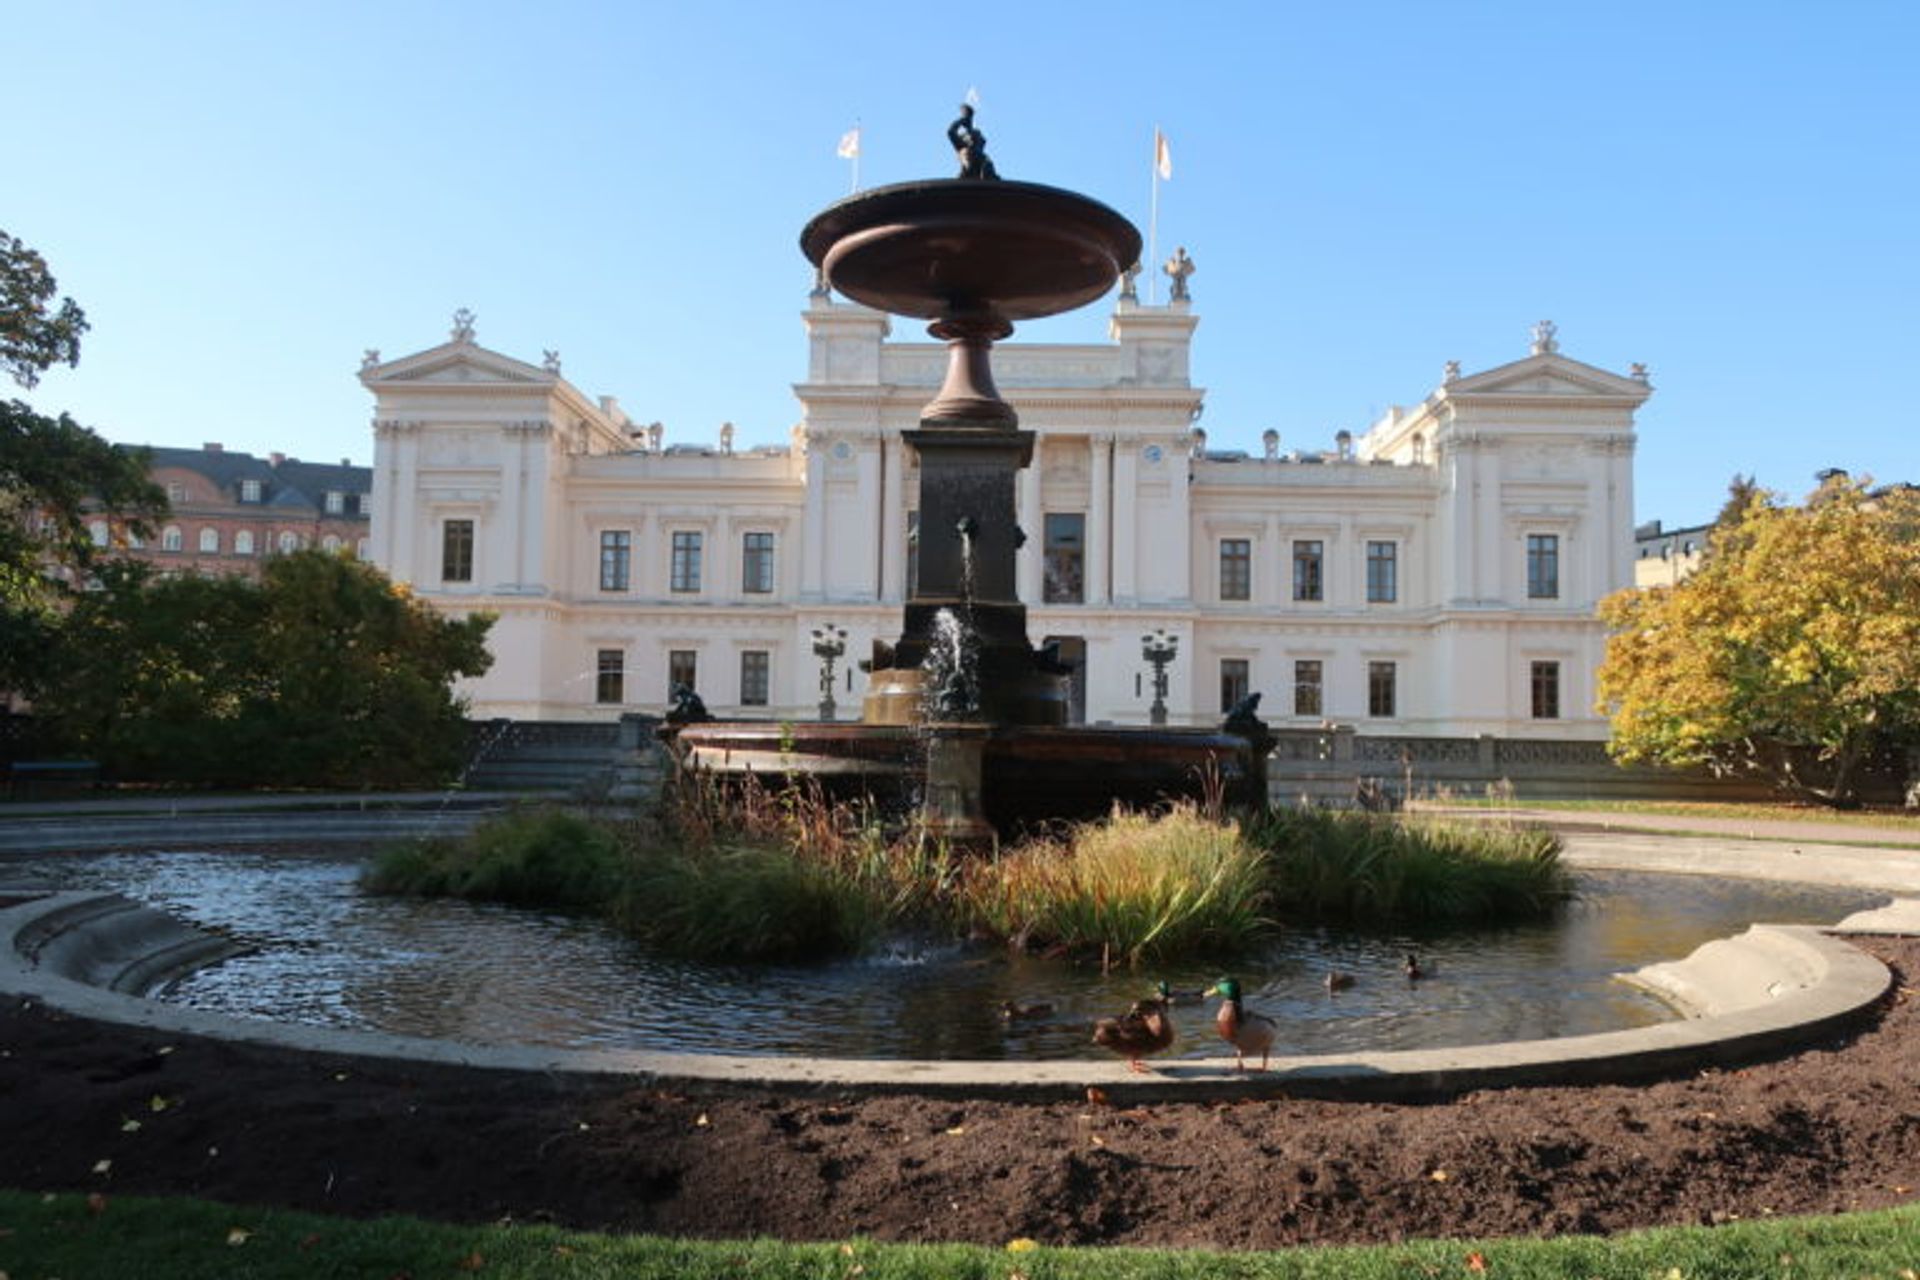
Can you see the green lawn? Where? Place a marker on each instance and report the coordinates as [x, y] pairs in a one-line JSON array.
[[42, 1237]]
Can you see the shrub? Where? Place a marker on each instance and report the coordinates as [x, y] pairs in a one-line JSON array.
[[535, 857]]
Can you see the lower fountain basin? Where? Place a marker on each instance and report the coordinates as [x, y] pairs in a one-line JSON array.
[[1031, 774]]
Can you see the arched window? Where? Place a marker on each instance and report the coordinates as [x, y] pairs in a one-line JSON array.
[[243, 543], [360, 549], [289, 542], [171, 539], [330, 544], [210, 541], [98, 532]]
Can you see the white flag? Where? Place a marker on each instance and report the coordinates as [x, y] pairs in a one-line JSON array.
[[850, 143], [973, 97], [1162, 155]]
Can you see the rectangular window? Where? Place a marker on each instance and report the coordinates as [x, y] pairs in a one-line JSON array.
[[1543, 566], [1306, 687], [616, 559], [611, 684], [1546, 690], [755, 671], [682, 670], [685, 574], [1236, 569], [1383, 572], [756, 563], [249, 491], [336, 502], [1382, 695], [1234, 679], [1308, 561], [1066, 545], [456, 551]]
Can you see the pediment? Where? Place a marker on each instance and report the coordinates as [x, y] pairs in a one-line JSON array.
[[457, 363], [1551, 376]]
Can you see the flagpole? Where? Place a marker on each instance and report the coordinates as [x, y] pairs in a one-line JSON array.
[[859, 146], [1153, 222]]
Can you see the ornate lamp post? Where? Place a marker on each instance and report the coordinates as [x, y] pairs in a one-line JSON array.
[[1159, 649], [829, 642]]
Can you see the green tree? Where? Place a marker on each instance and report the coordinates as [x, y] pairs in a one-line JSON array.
[[55, 475], [1797, 642], [324, 673]]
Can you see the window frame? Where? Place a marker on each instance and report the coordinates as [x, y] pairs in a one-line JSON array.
[[756, 677], [1236, 569], [1383, 688], [683, 667], [1309, 570], [1236, 681], [685, 550], [1543, 689], [616, 559], [610, 677], [756, 562], [1314, 705], [1543, 566], [1383, 571], [458, 536], [1063, 559]]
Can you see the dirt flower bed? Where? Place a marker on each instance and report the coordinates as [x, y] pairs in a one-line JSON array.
[[91, 1107]]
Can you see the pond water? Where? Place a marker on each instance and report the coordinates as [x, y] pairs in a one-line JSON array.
[[328, 954]]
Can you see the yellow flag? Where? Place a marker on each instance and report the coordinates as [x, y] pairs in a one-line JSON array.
[[850, 143], [1162, 155]]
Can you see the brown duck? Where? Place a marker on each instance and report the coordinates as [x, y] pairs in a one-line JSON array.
[[1145, 1028]]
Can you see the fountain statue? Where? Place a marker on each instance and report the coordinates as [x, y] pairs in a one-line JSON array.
[[961, 710]]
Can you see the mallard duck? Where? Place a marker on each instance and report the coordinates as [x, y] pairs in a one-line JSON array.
[[1415, 970], [1145, 1028], [1338, 981], [1247, 1031], [1190, 995], [1014, 1011]]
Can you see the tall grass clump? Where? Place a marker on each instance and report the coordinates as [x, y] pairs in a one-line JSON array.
[[750, 873], [1134, 889], [531, 857], [1344, 865]]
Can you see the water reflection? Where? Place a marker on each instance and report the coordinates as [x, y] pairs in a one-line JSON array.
[[489, 975]]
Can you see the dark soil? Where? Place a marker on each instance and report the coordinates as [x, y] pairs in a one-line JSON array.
[[1835, 1127]]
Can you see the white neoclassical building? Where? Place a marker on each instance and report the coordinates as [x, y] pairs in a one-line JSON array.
[[1435, 576]]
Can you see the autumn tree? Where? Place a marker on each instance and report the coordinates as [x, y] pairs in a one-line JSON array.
[[1797, 643], [55, 475], [324, 673]]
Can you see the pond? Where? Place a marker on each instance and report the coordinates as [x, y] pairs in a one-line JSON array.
[[328, 954]]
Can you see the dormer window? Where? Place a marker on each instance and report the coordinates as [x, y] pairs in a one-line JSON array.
[[249, 491], [336, 502]]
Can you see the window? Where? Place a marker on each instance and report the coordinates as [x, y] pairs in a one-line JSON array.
[[1066, 545], [249, 491], [171, 538], [98, 533], [1543, 566], [210, 542], [1234, 679], [290, 543], [456, 551], [176, 493], [1236, 569], [1546, 690], [336, 502], [616, 558], [610, 684], [1308, 558], [754, 677], [1306, 687], [682, 670], [360, 548], [1381, 679], [330, 544], [1383, 572], [243, 543], [756, 564], [685, 574]]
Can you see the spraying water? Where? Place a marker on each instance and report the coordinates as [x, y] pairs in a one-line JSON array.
[[952, 669]]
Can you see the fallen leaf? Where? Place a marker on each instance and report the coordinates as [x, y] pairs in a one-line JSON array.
[[1902, 1191], [1022, 1245], [1439, 1175], [157, 1104], [956, 1131], [1097, 1096], [238, 1235], [472, 1262], [846, 1251], [700, 1121], [103, 1166], [1099, 1141], [130, 1126], [96, 1203], [563, 1251], [1476, 1261], [164, 1050], [342, 1075]]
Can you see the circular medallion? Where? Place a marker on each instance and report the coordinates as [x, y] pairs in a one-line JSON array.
[[1151, 453], [842, 450]]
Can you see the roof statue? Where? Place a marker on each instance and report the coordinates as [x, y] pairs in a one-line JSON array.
[[463, 325], [1178, 268], [1129, 286], [970, 147], [1546, 338]]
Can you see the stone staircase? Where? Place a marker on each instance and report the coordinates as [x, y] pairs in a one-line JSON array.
[[543, 755]]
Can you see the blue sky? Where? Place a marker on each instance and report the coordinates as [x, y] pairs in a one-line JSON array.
[[246, 196]]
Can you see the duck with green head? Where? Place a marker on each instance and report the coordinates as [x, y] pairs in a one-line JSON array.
[[1247, 1031]]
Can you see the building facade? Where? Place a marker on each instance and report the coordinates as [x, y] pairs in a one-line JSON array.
[[1435, 576], [229, 511]]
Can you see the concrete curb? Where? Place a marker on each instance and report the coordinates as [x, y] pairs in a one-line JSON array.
[[1777, 988]]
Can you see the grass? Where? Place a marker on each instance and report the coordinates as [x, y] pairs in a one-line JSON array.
[[1349, 866], [786, 876], [181, 1239]]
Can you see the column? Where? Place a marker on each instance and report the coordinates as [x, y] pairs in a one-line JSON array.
[[892, 580], [1126, 520], [1100, 518], [1029, 562], [813, 528]]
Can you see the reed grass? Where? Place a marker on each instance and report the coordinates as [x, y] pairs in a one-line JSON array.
[[1134, 889], [1340, 865], [534, 857]]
